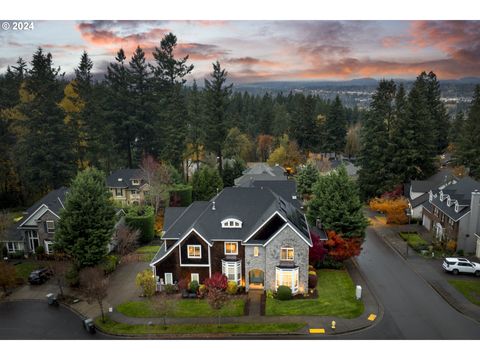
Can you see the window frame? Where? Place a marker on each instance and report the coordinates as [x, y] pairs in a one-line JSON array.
[[235, 268], [197, 276], [279, 278], [135, 182], [287, 250], [165, 278], [225, 248], [50, 228], [231, 223], [121, 192], [256, 251], [194, 256]]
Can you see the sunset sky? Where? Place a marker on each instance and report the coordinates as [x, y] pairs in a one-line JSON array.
[[267, 50]]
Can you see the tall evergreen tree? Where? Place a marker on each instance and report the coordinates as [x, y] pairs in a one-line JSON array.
[[373, 175], [196, 122], [438, 113], [169, 76], [206, 183], [45, 148], [217, 97], [306, 178], [305, 129], [468, 148], [86, 224], [335, 128]]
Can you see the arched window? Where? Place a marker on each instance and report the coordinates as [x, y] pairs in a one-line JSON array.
[[231, 223]]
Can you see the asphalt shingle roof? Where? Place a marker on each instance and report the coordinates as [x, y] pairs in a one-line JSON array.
[[54, 200], [122, 178], [287, 189], [260, 171]]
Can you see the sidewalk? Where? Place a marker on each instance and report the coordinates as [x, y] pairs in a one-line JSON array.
[[429, 269], [324, 322]]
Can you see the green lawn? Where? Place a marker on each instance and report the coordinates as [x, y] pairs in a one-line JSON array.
[[147, 252], [414, 240], [113, 327], [182, 308], [336, 297], [25, 268], [469, 288]]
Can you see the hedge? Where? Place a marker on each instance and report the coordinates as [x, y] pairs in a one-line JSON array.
[[181, 195], [143, 219]]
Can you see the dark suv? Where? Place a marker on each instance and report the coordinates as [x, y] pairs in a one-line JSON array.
[[39, 276]]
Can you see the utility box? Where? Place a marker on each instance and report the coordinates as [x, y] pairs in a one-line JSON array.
[[358, 292]]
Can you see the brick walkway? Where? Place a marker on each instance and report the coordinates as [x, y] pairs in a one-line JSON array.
[[427, 268], [255, 302]]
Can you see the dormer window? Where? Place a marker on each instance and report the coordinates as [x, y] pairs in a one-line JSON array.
[[430, 196], [120, 179], [135, 182], [449, 202], [231, 223], [457, 208], [441, 195]]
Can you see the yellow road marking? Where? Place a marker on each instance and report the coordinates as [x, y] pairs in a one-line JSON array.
[[372, 317], [317, 331]]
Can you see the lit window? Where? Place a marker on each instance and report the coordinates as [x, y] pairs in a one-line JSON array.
[[232, 270], [118, 192], [194, 251], [231, 223], [286, 254], [195, 277], [135, 182], [255, 251], [231, 248], [50, 226], [287, 277]]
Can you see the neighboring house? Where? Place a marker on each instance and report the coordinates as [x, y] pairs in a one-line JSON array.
[[416, 191], [128, 186], [453, 213], [38, 224], [477, 254], [261, 171], [37, 227], [250, 234]]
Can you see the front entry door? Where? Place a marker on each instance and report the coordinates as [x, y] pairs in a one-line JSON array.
[[256, 279], [32, 239]]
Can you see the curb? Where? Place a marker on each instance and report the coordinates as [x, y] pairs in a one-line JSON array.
[[433, 287]]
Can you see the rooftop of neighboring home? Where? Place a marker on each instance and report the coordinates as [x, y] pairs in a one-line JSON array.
[[422, 187], [236, 213], [455, 199], [287, 189], [53, 201], [260, 171], [126, 179]]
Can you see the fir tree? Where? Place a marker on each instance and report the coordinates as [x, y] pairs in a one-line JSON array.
[[45, 148], [374, 175], [306, 178], [217, 97], [206, 183], [335, 128], [305, 129], [336, 203], [438, 113], [86, 224], [196, 121]]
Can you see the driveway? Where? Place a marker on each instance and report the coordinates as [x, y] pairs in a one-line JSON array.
[[413, 309], [122, 286], [35, 320]]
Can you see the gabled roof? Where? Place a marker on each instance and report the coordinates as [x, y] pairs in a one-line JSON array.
[[460, 192], [287, 189], [122, 178], [433, 182], [261, 171], [53, 201], [252, 206]]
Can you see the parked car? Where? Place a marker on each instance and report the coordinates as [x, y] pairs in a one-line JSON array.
[[461, 265], [39, 276]]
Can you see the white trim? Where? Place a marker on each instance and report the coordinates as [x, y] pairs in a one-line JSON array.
[[197, 277], [283, 227], [165, 278], [178, 243], [225, 248], [237, 224], [194, 265], [194, 256], [254, 231], [236, 266], [287, 248], [48, 229], [295, 276], [47, 246], [45, 208]]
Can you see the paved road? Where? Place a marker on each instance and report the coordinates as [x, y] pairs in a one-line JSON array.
[[35, 320], [413, 310]]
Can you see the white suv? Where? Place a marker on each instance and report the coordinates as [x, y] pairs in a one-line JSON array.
[[461, 265]]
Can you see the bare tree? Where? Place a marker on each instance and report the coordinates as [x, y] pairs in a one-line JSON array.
[[8, 276], [94, 286], [59, 269], [126, 239], [5, 221], [217, 299], [158, 177], [163, 306]]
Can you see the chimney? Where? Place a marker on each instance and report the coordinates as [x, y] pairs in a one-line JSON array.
[[213, 205]]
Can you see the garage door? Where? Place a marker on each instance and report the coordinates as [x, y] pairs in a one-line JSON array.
[[426, 222]]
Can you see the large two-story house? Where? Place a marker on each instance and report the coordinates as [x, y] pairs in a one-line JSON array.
[[128, 186], [251, 234], [454, 213]]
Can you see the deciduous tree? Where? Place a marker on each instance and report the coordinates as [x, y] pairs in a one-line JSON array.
[[8, 276], [146, 281], [340, 248], [94, 286]]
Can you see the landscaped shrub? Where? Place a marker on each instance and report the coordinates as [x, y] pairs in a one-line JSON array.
[[312, 281], [181, 195], [4, 251], [110, 264], [460, 252], [284, 293], [241, 290], [202, 290], [269, 294], [415, 241], [143, 219], [329, 263], [17, 255], [169, 288], [312, 272], [146, 282], [40, 250], [232, 287], [183, 284], [451, 246], [217, 281], [72, 277], [193, 286], [311, 268]]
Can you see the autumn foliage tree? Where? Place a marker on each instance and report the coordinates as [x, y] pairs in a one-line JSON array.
[[317, 252], [394, 208], [217, 281], [340, 248]]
